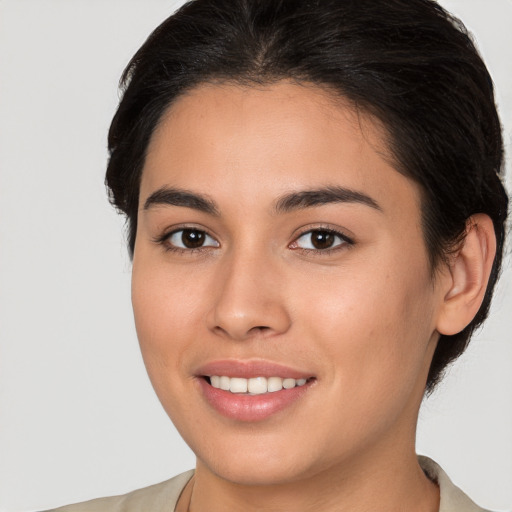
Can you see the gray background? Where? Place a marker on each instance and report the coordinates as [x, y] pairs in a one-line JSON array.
[[78, 418]]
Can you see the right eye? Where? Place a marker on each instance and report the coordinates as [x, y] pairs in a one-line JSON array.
[[189, 238]]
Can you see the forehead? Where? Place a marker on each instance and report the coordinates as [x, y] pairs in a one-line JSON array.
[[264, 141]]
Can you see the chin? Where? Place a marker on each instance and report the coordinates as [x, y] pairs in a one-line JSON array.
[[255, 471], [259, 458]]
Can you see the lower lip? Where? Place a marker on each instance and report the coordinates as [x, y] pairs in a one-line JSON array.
[[251, 408]]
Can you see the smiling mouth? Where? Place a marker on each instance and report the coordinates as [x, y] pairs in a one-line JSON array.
[[254, 391], [254, 385]]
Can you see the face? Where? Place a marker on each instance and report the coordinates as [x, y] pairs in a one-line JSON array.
[[281, 287]]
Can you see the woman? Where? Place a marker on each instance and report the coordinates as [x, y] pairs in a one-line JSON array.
[[316, 220]]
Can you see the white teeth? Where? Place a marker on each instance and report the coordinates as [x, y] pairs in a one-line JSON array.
[[224, 383], [237, 385], [274, 384], [257, 385], [288, 383], [254, 385]]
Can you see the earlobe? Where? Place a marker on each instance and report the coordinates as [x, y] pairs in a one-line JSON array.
[[468, 275]]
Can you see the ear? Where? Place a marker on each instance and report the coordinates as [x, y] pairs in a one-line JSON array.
[[467, 276]]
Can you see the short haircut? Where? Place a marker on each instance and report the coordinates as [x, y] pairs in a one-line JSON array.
[[408, 63]]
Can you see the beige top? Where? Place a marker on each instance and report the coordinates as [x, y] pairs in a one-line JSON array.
[[163, 497]]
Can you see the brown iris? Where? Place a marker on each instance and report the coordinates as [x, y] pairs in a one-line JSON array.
[[322, 239], [193, 238]]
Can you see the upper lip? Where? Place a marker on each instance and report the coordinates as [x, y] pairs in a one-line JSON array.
[[251, 368]]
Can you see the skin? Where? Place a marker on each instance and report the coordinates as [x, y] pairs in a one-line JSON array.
[[363, 318]]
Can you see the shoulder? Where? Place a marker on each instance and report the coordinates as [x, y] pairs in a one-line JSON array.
[[158, 497], [452, 498]]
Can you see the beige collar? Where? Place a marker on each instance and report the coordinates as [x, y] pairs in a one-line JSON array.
[[452, 498]]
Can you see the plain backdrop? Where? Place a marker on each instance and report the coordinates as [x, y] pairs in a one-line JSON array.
[[78, 417]]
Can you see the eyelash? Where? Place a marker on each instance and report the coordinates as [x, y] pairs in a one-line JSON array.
[[345, 241], [164, 240]]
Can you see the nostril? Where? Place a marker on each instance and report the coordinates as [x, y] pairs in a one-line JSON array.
[[261, 328]]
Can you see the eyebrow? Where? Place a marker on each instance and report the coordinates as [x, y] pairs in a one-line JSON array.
[[168, 196], [318, 197]]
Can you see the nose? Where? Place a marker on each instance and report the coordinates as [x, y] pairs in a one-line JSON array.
[[250, 300]]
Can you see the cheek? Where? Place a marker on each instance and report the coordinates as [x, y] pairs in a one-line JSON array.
[[374, 326], [163, 316]]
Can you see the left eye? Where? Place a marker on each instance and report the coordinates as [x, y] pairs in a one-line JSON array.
[[319, 239], [191, 239]]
